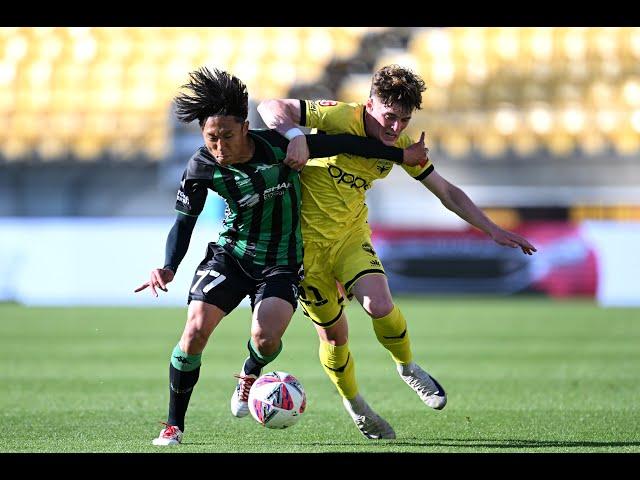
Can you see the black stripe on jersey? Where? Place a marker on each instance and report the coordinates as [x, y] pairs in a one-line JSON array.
[[259, 185], [276, 221], [425, 174], [234, 192], [303, 113], [293, 252], [275, 145], [347, 285]]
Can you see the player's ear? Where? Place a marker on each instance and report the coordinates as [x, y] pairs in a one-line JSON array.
[[369, 104], [245, 127]]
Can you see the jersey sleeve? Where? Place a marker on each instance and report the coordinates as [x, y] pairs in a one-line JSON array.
[[192, 193], [329, 145], [178, 241], [327, 115]]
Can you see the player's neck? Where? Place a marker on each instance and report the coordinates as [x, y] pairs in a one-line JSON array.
[[368, 126], [249, 151]]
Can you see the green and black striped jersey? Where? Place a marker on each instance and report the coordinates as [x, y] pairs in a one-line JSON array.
[[262, 215]]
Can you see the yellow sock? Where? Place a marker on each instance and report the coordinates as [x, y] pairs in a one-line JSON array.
[[392, 333], [339, 365]]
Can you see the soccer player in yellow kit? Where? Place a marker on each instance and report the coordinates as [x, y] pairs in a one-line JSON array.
[[337, 237]]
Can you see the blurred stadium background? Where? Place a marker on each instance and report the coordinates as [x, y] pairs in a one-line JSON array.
[[540, 126]]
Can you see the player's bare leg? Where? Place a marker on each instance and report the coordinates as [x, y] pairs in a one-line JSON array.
[[270, 320], [390, 326], [184, 369]]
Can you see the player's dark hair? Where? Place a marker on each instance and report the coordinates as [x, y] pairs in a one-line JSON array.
[[212, 93], [396, 85]]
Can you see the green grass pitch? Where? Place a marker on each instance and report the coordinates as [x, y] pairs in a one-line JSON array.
[[522, 375]]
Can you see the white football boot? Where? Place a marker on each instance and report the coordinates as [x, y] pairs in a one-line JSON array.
[[240, 397], [427, 387], [170, 435], [370, 424]]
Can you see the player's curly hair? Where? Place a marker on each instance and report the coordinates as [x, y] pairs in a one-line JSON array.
[[396, 85], [212, 93]]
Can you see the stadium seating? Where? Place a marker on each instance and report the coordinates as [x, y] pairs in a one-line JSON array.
[[551, 87], [85, 93]]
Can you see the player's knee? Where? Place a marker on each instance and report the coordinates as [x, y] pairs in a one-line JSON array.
[[195, 334], [267, 343], [194, 339], [378, 307]]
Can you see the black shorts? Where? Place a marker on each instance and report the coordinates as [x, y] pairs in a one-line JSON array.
[[221, 280]]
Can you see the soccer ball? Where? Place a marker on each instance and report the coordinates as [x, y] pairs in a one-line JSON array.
[[277, 399]]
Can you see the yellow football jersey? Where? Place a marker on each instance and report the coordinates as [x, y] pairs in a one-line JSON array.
[[333, 193]]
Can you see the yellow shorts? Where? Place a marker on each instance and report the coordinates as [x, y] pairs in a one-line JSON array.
[[324, 263]]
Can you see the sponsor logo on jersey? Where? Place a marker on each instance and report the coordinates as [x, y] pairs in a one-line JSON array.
[[383, 167], [249, 200], [369, 249], [277, 190], [328, 103], [375, 263], [264, 167], [347, 178], [183, 199]]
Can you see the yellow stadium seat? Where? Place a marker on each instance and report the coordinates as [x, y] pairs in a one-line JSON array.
[[15, 148], [626, 141], [435, 99], [491, 144], [355, 88], [52, 148], [7, 101], [592, 141], [456, 143], [86, 148], [345, 41], [524, 142], [464, 96], [396, 56], [560, 143]]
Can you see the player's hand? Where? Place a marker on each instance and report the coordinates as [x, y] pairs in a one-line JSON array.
[[416, 154], [297, 153], [513, 240], [159, 278]]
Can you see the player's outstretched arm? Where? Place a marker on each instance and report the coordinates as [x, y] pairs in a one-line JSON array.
[[511, 239], [175, 250], [329, 145], [159, 279], [459, 203]]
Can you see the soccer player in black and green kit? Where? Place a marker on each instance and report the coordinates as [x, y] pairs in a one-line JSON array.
[[259, 250]]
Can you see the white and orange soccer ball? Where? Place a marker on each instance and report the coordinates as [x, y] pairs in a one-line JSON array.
[[277, 400]]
